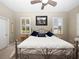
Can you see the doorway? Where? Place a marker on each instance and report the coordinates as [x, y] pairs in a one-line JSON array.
[[4, 32]]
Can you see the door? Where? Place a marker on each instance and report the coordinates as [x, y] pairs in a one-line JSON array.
[[4, 32]]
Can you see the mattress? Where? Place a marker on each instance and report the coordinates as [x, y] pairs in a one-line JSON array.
[[45, 42]]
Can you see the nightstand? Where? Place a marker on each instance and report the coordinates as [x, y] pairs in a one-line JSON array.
[[59, 35], [22, 37]]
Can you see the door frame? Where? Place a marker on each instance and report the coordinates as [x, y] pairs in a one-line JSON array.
[[5, 18]]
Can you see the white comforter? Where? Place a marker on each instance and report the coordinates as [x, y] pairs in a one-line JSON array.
[[45, 42]]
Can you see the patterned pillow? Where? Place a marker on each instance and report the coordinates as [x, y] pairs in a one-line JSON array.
[[41, 35]]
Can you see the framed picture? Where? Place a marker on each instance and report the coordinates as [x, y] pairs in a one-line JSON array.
[[41, 20]]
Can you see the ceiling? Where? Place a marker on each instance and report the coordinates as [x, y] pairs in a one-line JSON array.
[[26, 6]]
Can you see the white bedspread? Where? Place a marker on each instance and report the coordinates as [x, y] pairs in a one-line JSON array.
[[45, 42]]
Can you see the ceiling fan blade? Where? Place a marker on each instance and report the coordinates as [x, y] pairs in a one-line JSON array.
[[43, 5], [53, 3], [35, 1]]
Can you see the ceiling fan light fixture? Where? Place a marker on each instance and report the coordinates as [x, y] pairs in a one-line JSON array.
[[44, 1]]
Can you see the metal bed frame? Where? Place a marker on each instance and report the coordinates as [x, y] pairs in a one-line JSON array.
[[46, 54], [76, 49]]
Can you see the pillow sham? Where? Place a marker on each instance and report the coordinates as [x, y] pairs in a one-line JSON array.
[[34, 33], [49, 33], [41, 35]]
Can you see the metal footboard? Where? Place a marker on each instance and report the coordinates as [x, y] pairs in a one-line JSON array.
[[46, 53]]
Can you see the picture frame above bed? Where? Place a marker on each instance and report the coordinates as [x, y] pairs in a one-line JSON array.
[[41, 20]]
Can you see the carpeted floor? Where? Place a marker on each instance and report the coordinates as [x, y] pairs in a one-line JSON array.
[[6, 52]]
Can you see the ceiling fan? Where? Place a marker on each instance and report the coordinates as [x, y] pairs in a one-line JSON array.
[[44, 3]]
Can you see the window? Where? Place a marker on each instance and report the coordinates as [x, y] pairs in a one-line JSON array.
[[57, 25], [25, 25]]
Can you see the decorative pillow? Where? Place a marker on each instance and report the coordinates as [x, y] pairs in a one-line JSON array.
[[41, 35], [34, 33], [49, 34]]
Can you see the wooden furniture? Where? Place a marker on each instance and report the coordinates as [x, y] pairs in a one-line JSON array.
[[25, 25], [21, 37], [59, 35]]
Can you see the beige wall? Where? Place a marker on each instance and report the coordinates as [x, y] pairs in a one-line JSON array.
[[5, 12], [69, 21], [72, 23], [33, 20]]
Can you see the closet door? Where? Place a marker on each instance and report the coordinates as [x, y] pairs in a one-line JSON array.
[[4, 34]]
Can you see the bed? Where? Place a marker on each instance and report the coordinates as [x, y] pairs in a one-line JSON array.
[[46, 46], [45, 42]]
